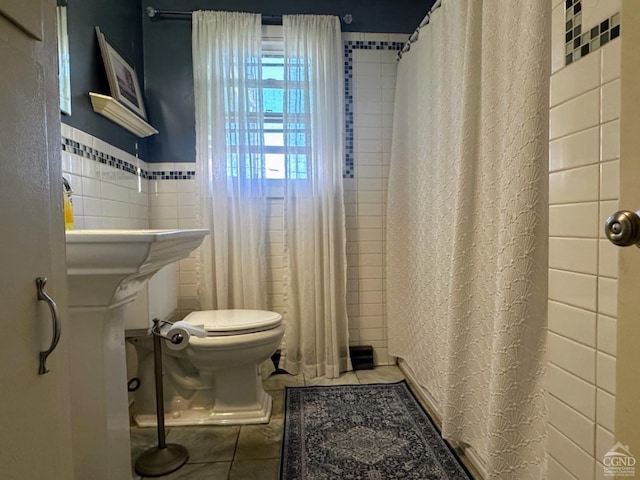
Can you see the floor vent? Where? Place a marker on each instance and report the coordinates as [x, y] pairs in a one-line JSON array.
[[361, 357]]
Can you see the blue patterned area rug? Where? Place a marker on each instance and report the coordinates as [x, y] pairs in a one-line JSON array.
[[362, 432]]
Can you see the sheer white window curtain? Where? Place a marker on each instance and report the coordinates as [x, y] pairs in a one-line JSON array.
[[235, 180], [229, 159], [316, 335]]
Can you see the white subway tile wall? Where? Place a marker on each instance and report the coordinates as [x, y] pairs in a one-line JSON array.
[[173, 205], [583, 191], [105, 195], [373, 82]]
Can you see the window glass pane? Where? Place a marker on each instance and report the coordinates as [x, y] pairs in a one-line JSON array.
[[297, 167], [253, 100], [257, 150], [272, 71], [295, 101], [252, 68], [253, 165], [274, 165], [249, 101], [274, 139], [232, 165], [272, 100], [296, 70], [296, 139]]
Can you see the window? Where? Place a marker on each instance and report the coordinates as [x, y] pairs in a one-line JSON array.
[[273, 111], [267, 138]]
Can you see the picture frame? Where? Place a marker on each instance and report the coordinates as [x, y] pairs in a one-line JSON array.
[[64, 72], [122, 77]]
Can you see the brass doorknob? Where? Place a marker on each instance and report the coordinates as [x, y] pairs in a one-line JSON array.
[[623, 228]]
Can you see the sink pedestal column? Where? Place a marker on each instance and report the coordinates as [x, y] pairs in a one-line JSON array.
[[99, 402]]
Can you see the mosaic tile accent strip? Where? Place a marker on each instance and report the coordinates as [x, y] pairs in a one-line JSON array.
[[579, 43], [77, 148], [85, 151], [171, 175], [349, 47]]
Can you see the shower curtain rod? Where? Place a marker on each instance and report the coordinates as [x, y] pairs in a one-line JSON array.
[[416, 33], [158, 14]]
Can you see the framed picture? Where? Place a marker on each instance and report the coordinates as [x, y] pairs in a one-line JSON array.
[[123, 80], [64, 73]]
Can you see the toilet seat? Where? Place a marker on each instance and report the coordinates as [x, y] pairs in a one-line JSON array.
[[220, 323]]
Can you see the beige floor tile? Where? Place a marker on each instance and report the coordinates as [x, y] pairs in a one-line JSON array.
[[142, 439], [277, 411], [210, 443], [346, 378], [255, 470], [249, 452], [279, 381], [384, 374], [260, 441], [200, 471]]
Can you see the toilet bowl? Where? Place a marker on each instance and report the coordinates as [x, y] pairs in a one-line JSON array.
[[228, 358], [215, 380]]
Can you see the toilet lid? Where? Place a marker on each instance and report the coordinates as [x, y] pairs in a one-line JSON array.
[[231, 322]]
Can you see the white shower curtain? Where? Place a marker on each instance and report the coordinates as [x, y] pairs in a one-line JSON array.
[[230, 159], [315, 311], [467, 223]]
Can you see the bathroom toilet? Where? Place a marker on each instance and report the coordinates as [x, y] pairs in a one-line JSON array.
[[215, 380]]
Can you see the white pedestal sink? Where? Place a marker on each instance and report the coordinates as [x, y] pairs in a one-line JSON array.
[[105, 271]]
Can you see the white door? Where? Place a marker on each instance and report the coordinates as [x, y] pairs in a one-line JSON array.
[[628, 351], [35, 434]]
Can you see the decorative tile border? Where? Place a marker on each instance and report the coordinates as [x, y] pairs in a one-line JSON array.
[[85, 151], [171, 175], [77, 148], [579, 43], [349, 47]]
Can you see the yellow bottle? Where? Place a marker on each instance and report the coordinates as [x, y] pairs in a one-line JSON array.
[[67, 205]]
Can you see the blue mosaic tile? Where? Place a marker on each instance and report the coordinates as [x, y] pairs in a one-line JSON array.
[[579, 43], [349, 47], [76, 148]]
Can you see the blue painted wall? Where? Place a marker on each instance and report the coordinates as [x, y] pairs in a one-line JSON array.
[[161, 53], [121, 22], [167, 55]]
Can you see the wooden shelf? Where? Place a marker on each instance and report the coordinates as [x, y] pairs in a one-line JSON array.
[[116, 112]]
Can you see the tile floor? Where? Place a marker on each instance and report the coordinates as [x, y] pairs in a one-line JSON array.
[[248, 452]]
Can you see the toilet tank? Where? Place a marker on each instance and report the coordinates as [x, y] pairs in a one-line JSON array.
[[159, 299]]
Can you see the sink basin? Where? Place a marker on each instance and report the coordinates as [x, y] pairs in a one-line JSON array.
[[105, 267], [127, 250], [105, 271]]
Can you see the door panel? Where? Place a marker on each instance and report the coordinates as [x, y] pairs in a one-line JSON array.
[[26, 14], [35, 435], [628, 351]]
